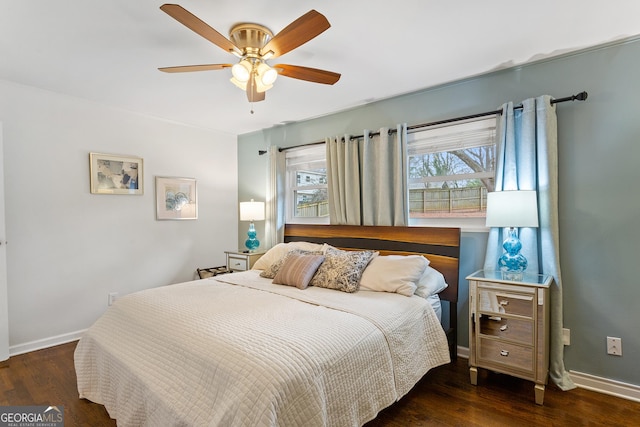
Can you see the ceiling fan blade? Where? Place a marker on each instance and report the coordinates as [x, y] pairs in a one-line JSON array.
[[252, 91], [201, 28], [189, 68], [300, 31], [309, 74]]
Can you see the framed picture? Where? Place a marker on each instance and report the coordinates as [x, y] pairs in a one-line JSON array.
[[176, 198], [112, 174]]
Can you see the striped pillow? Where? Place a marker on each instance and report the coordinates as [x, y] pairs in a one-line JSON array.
[[297, 270], [271, 271]]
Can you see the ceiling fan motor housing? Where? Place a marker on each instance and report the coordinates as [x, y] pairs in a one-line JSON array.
[[250, 38]]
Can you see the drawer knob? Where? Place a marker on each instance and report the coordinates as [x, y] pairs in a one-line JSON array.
[[504, 302], [504, 327], [504, 353]]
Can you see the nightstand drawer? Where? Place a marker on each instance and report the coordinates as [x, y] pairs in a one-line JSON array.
[[492, 301], [241, 261], [519, 330], [238, 263], [501, 353]]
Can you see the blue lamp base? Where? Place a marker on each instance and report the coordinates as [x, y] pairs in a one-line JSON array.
[[252, 243], [512, 263]]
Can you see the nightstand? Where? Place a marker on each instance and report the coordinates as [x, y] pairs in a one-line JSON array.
[[241, 261], [509, 327]]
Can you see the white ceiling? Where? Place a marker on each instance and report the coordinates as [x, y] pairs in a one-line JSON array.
[[108, 51]]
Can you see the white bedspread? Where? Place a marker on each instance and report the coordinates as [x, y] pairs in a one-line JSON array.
[[236, 350]]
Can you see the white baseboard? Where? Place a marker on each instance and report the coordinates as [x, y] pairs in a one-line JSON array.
[[15, 350], [606, 386], [463, 352], [591, 382]]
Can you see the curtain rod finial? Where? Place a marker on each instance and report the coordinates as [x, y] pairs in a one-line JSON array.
[[261, 152], [582, 96]]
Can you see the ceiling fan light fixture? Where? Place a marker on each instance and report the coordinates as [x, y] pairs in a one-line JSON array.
[[239, 84], [260, 87], [242, 71], [266, 74]]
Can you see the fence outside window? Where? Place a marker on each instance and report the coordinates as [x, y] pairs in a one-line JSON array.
[[451, 201], [422, 203]]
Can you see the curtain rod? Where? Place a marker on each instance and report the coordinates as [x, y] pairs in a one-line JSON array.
[[582, 96]]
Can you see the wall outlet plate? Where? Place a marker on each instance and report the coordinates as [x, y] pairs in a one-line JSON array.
[[112, 297], [566, 336], [614, 346]]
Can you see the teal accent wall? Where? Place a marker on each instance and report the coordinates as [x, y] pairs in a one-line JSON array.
[[599, 208]]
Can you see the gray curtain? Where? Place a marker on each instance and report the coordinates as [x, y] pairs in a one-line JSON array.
[[367, 178], [274, 206], [527, 159]]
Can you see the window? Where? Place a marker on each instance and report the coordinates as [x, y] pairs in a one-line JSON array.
[[451, 169], [306, 185]]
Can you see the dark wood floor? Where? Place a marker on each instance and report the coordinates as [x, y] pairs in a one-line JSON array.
[[443, 397]]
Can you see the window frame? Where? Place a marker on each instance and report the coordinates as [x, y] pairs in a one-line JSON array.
[[297, 159], [470, 133]]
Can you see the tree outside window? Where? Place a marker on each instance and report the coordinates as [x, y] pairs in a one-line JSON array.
[[451, 170]]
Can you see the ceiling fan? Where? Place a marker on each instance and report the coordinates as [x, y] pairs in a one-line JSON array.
[[254, 44]]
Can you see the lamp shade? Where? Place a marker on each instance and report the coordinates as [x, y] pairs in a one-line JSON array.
[[512, 209], [267, 74], [251, 211], [242, 71], [238, 83]]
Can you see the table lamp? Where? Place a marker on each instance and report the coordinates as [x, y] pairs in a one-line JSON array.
[[252, 211], [512, 209]]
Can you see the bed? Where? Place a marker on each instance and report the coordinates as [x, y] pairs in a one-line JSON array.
[[239, 350]]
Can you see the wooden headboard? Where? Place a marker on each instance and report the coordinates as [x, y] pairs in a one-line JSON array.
[[440, 245]]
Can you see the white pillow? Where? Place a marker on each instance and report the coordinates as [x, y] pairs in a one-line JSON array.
[[308, 246], [432, 282], [278, 252], [271, 256], [394, 273]]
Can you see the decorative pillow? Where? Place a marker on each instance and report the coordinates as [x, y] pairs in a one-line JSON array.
[[341, 270], [432, 282], [298, 269], [277, 252], [394, 273], [271, 271]]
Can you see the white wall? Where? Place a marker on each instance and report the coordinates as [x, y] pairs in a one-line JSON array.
[[67, 248]]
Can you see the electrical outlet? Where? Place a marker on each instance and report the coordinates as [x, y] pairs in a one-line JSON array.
[[112, 297], [614, 346], [566, 336]]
